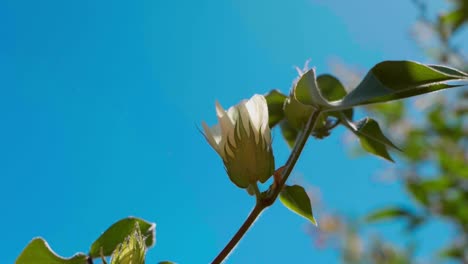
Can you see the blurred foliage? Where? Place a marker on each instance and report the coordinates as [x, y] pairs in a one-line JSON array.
[[433, 166], [347, 236]]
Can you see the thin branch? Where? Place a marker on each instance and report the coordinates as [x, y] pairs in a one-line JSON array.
[[239, 234]]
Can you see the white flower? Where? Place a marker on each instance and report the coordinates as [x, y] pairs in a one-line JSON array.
[[243, 140]]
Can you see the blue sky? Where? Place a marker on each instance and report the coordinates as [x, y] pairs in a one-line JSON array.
[[100, 103]]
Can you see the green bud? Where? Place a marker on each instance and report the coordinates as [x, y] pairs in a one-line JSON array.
[[132, 250]]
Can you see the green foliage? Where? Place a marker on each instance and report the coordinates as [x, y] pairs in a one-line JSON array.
[[118, 233], [387, 81], [453, 20], [393, 80], [371, 137], [441, 142], [275, 100], [39, 252], [132, 250], [388, 213], [289, 133], [122, 232], [296, 199]]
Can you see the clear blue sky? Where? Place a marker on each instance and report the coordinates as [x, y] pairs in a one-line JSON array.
[[100, 103]]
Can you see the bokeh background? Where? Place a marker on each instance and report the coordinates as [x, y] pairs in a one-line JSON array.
[[100, 104]]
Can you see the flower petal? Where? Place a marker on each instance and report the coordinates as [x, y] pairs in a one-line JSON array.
[[244, 116], [213, 136], [226, 123], [258, 113]]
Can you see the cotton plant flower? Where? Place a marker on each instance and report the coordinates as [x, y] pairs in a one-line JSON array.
[[131, 251], [243, 140]]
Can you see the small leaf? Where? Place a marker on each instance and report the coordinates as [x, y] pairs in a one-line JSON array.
[[388, 213], [297, 113], [375, 148], [418, 192], [118, 232], [296, 199], [330, 87], [371, 137], [369, 128], [39, 252], [453, 20], [307, 91], [275, 101], [289, 133], [394, 80]]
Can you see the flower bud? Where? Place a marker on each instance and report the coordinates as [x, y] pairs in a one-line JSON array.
[[243, 140], [132, 250]]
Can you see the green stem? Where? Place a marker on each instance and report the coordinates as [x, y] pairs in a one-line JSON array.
[[269, 200], [240, 233], [294, 156]]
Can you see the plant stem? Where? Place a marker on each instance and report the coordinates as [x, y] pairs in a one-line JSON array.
[[240, 233], [269, 200], [295, 153]]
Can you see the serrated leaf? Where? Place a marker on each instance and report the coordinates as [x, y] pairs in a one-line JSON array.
[[39, 252], [394, 80], [388, 213], [118, 232], [289, 133], [275, 101], [296, 199]]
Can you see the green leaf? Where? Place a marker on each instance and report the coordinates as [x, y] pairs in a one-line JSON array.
[[369, 128], [394, 80], [289, 133], [418, 192], [371, 137], [39, 252], [310, 94], [275, 101], [118, 232], [296, 199], [330, 87], [375, 148], [438, 184], [452, 252], [297, 113], [307, 90], [388, 213], [453, 20]]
